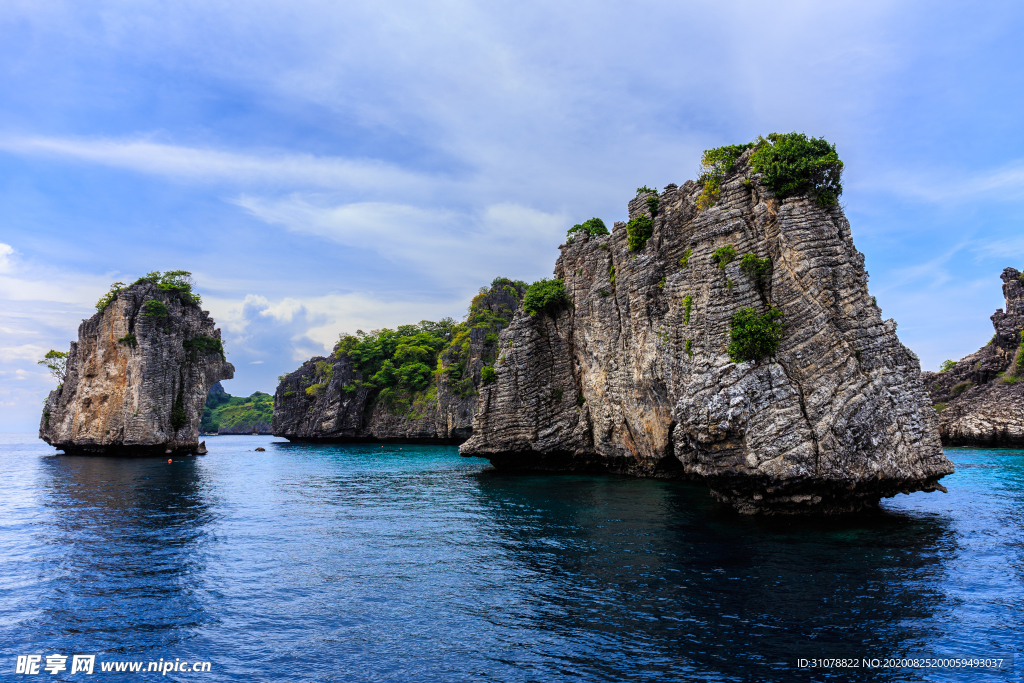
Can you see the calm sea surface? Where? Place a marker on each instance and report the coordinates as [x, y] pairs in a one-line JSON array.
[[409, 563]]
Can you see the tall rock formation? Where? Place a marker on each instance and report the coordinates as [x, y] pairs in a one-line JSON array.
[[138, 376], [981, 398], [635, 375], [329, 400]]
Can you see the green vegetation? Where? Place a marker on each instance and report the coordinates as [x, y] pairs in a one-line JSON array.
[[109, 297], [960, 388], [715, 164], [794, 164], [759, 270], [204, 344], [688, 304], [685, 261], [224, 411], [755, 336], [57, 363], [488, 375], [129, 340], [790, 164], [652, 205], [546, 296], [594, 226], [178, 418], [46, 419], [401, 368], [641, 190], [611, 274], [176, 282], [155, 308], [689, 348], [947, 365], [939, 407], [638, 231], [661, 283], [724, 256]]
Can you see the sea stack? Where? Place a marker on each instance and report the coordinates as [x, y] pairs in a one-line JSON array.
[[641, 370], [980, 399], [138, 376]]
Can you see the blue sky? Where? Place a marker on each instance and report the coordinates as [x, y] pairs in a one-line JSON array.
[[324, 167]]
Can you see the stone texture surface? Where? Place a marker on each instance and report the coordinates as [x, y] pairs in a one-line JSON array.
[[117, 399], [980, 399], [336, 415], [837, 419]]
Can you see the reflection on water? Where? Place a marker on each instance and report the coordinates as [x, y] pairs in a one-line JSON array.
[[684, 585], [360, 563], [120, 531]]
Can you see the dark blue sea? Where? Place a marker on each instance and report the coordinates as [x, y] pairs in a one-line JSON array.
[[411, 564]]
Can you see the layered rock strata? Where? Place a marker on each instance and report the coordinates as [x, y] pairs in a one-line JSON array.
[[634, 377], [980, 400], [328, 400], [136, 381]]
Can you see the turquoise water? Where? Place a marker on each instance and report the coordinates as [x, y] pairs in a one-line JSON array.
[[409, 563]]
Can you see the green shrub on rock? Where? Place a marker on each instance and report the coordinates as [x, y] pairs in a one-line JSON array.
[[638, 231], [488, 375], [155, 308], [546, 296], [755, 336], [947, 365], [759, 270], [724, 256], [593, 226], [794, 164]]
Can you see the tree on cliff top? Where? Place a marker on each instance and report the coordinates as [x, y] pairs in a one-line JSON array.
[[57, 363]]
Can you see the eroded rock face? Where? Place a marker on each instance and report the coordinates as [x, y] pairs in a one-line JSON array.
[[621, 382], [323, 402], [981, 399], [136, 384]]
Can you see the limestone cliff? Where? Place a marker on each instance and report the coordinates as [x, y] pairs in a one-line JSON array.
[[138, 376], [980, 399], [328, 399], [634, 376]]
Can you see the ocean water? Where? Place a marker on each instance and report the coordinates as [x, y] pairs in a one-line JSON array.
[[409, 563]]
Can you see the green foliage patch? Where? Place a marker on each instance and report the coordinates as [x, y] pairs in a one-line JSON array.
[[947, 365], [488, 375], [204, 344], [638, 231], [155, 308], [960, 388], [129, 340], [175, 282], [755, 336], [224, 411], [109, 297], [724, 256], [57, 363], [546, 296], [715, 165], [592, 226], [687, 304], [685, 261], [759, 270], [793, 164], [178, 418]]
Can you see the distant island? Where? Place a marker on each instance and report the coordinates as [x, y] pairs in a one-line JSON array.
[[227, 414]]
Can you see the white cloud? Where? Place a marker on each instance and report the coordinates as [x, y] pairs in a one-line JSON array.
[[6, 251], [452, 246], [209, 164]]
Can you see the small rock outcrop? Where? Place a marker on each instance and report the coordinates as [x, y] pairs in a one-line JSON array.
[[980, 399], [634, 374], [138, 376], [328, 399]]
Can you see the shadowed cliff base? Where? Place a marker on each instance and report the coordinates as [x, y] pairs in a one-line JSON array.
[[728, 326]]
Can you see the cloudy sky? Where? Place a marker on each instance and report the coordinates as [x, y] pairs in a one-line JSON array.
[[322, 167]]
